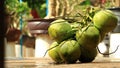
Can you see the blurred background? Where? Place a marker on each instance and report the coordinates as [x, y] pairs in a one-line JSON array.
[[27, 22]]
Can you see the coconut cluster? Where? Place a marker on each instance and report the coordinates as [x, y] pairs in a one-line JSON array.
[[79, 44]]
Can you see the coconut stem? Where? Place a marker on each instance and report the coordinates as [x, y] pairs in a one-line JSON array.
[[108, 53], [49, 49]]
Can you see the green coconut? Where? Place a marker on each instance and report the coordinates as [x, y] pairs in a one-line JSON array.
[[88, 37], [87, 55], [70, 51], [60, 30], [54, 52], [105, 20]]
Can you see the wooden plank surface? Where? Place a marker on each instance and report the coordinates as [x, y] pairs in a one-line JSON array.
[[48, 63]]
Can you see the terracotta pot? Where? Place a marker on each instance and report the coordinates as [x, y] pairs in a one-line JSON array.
[[38, 26], [13, 34], [28, 41]]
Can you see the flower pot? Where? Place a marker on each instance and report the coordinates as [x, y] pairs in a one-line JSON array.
[[28, 46], [39, 24], [39, 27], [13, 34]]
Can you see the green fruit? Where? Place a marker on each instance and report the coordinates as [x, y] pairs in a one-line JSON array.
[[88, 37], [69, 51], [105, 20], [87, 55], [54, 52], [60, 30]]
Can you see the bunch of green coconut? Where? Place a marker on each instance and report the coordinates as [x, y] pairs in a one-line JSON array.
[[78, 41]]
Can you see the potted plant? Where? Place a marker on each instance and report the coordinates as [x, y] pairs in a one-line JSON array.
[[15, 12], [14, 9]]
